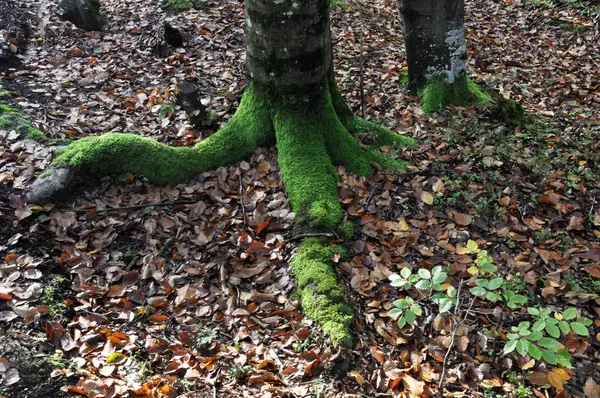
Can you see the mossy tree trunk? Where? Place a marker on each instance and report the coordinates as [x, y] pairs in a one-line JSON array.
[[292, 100], [436, 53]]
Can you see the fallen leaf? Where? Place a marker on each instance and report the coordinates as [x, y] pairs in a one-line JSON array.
[[427, 197], [591, 389]]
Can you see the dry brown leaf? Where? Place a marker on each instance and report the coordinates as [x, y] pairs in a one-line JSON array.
[[427, 197], [414, 386], [591, 389], [462, 219]]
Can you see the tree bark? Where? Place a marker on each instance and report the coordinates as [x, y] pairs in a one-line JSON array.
[[435, 40], [288, 46]]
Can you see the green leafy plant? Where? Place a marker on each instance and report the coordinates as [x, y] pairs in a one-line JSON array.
[[204, 336], [526, 341], [426, 281], [560, 323], [406, 310]]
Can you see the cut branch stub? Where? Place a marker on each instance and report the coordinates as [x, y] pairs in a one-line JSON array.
[[188, 97]]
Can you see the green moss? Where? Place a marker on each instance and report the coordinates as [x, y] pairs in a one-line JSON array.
[[161, 164], [306, 168], [185, 5], [347, 230], [310, 140], [437, 93], [320, 294], [11, 119], [510, 111]]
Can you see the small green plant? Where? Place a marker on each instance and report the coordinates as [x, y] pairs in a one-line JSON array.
[[204, 336], [526, 341], [338, 4], [543, 235], [406, 309], [240, 372], [568, 320], [54, 297]]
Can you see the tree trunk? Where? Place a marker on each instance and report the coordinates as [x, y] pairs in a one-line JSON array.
[[288, 47], [436, 53], [292, 99]]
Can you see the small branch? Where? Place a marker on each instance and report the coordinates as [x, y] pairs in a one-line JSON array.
[[372, 194], [241, 194], [454, 332], [133, 207], [313, 235], [362, 74]]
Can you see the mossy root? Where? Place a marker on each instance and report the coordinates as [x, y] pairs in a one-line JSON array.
[[310, 141], [311, 138], [115, 153], [437, 93], [12, 119], [320, 294]]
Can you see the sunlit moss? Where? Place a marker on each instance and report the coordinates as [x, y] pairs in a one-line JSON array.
[[438, 92], [162, 164], [320, 294]]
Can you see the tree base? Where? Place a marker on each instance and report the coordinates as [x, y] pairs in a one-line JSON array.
[[311, 138], [437, 93]]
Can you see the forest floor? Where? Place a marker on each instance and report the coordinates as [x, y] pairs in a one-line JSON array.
[[185, 290]]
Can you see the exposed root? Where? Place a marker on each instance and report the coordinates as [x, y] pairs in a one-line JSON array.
[[320, 294], [11, 119], [438, 93], [115, 153], [311, 138]]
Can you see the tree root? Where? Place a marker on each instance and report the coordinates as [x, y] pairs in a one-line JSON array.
[[117, 153], [320, 294], [311, 138]]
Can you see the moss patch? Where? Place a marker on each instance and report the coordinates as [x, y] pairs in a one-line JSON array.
[[115, 153], [11, 119], [320, 294], [185, 5], [510, 111], [437, 93]]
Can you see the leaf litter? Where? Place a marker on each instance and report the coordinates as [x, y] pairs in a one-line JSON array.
[[185, 290]]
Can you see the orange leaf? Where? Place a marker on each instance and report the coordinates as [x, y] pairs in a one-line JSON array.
[[594, 271], [5, 297], [158, 318], [76, 390], [168, 391], [556, 378], [11, 257], [263, 225]]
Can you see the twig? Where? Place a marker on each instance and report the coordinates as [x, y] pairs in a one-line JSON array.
[[362, 74], [312, 235], [454, 332], [133, 207], [241, 193], [372, 194]]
